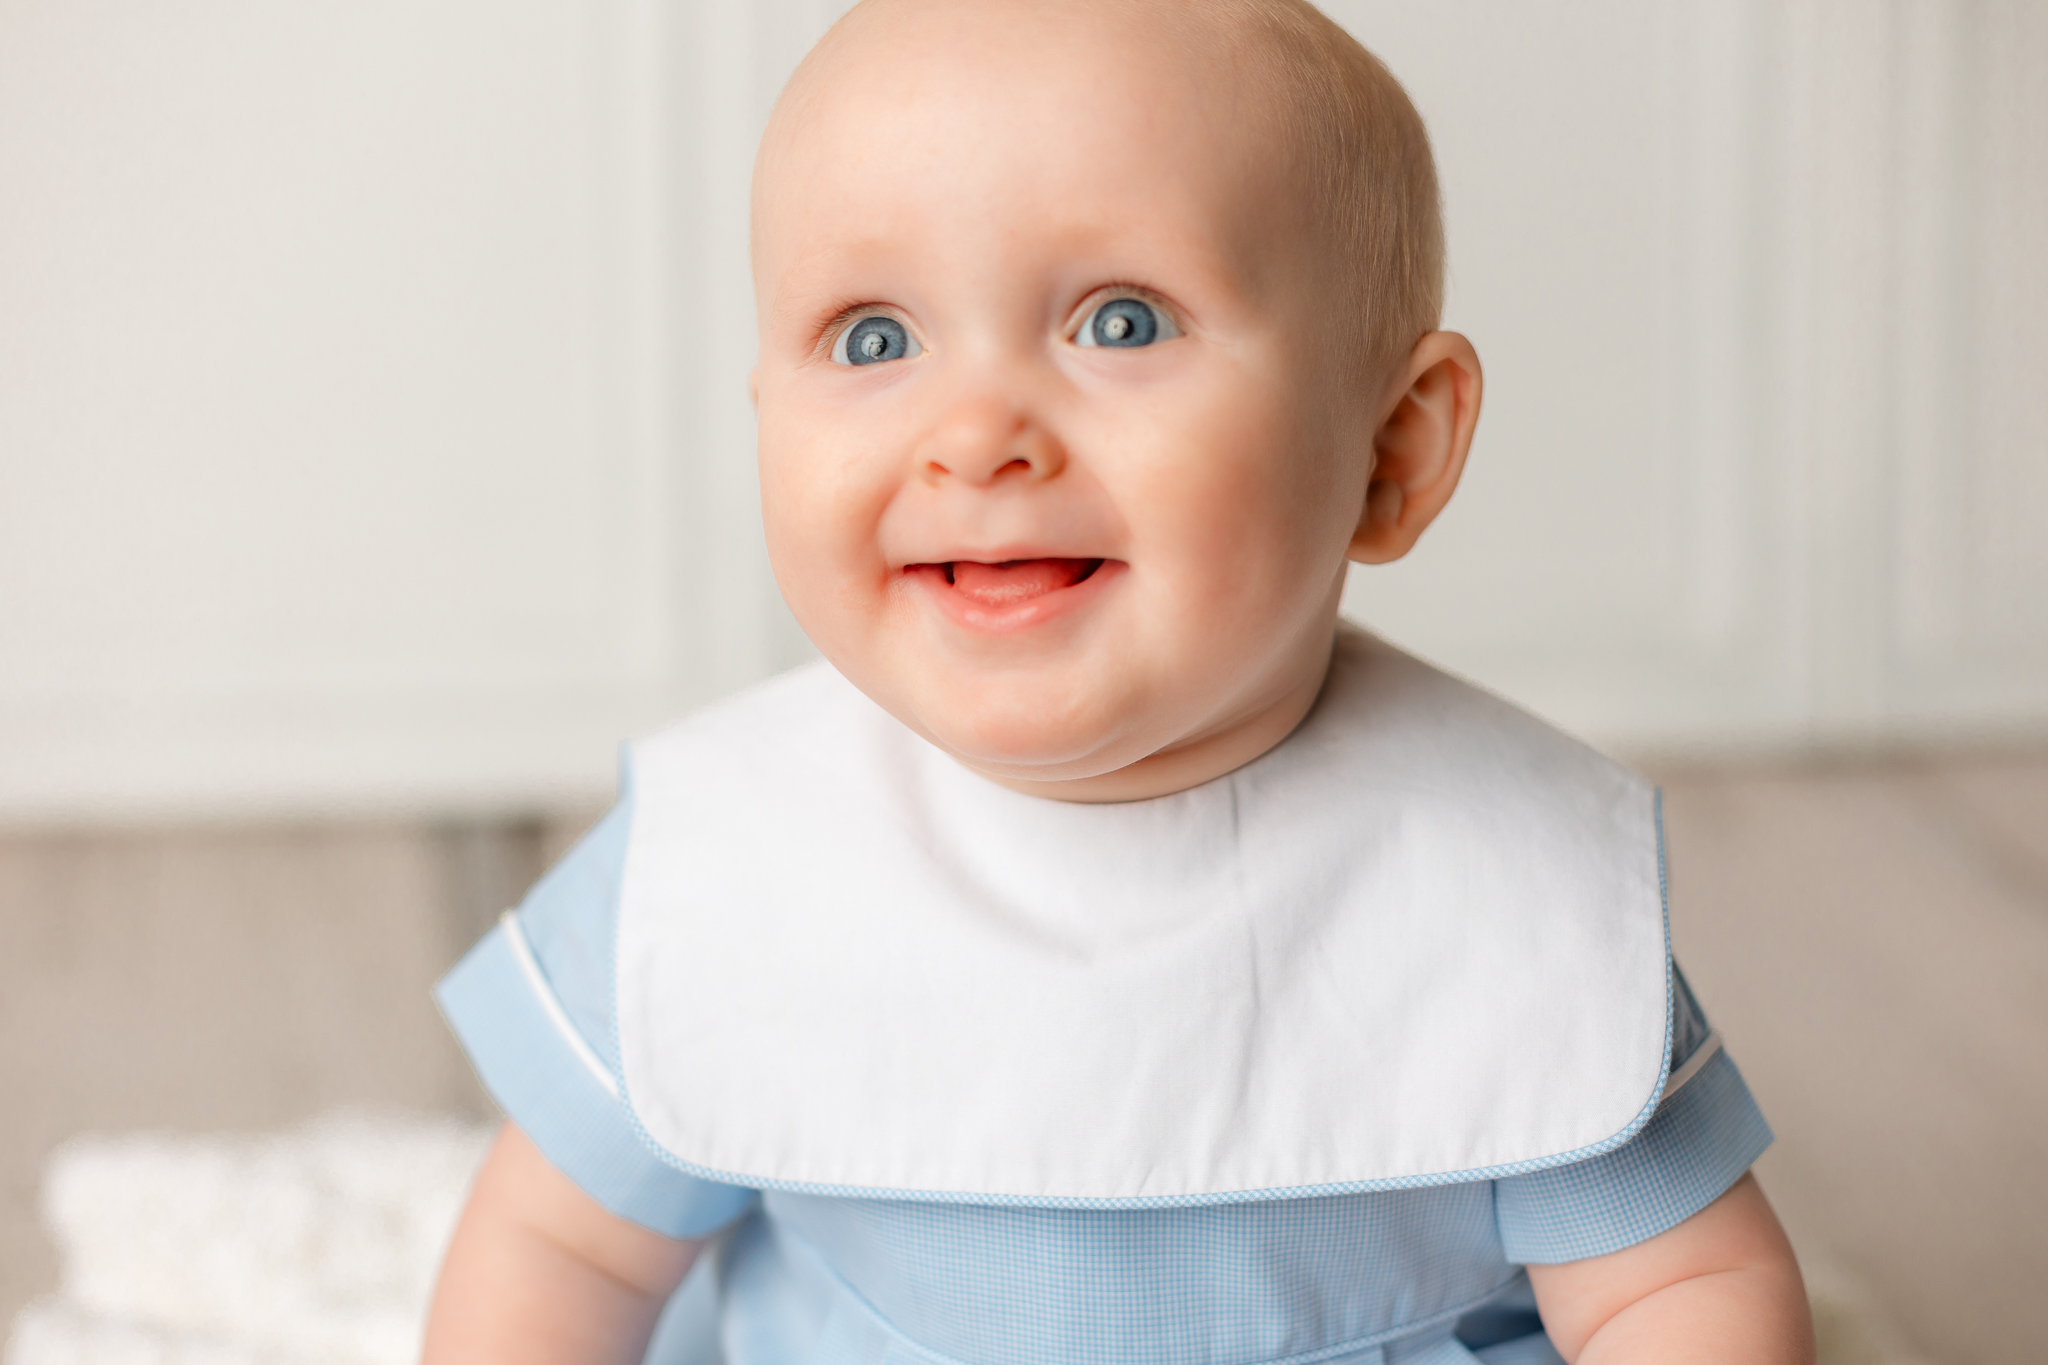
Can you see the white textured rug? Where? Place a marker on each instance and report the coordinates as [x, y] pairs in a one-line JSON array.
[[319, 1247], [315, 1247]]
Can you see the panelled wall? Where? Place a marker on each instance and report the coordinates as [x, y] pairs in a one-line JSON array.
[[1762, 293], [374, 434], [373, 422]]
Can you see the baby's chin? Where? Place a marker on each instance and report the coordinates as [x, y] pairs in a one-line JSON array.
[[1030, 739], [1044, 775]]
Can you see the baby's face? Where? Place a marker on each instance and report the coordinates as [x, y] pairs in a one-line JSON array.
[[1059, 461]]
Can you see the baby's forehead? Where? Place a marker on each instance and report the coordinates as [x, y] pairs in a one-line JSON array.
[[1021, 30], [1021, 107], [1180, 59]]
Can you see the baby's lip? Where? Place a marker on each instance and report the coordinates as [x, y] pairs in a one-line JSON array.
[[1014, 593], [1012, 581]]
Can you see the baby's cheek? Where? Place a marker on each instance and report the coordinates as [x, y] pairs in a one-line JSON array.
[[1237, 507], [813, 497], [807, 559]]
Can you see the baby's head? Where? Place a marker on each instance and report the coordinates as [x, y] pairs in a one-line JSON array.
[[1096, 337]]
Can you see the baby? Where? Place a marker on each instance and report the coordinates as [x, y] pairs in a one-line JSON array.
[[1105, 956]]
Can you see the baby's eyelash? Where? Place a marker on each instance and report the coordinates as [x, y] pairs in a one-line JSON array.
[[1102, 294], [828, 335]]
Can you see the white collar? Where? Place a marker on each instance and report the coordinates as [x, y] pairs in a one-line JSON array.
[[1422, 940]]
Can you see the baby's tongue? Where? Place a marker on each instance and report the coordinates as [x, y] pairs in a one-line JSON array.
[[1017, 580]]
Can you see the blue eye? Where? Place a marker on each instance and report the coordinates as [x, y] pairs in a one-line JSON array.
[[873, 339], [1125, 322]]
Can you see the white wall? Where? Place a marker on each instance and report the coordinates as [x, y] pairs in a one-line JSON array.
[[1760, 286], [372, 419], [373, 430]]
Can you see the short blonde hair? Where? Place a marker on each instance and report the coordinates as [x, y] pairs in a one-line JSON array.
[[1377, 188]]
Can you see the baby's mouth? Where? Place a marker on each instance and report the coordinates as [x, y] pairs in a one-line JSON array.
[[1015, 581]]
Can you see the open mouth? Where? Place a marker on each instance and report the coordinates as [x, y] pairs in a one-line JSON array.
[[1009, 594], [1016, 581]]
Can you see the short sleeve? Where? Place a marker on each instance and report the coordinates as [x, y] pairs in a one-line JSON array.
[[531, 1003], [1706, 1132]]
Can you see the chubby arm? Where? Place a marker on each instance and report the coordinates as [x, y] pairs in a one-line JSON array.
[[540, 1272], [1720, 1286]]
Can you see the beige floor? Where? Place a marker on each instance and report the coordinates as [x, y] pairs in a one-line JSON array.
[[1874, 946], [1872, 941]]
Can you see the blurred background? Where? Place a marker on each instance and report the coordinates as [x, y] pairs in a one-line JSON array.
[[375, 455]]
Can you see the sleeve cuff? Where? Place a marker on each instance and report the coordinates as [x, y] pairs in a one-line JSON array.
[[548, 1081], [1697, 1144]]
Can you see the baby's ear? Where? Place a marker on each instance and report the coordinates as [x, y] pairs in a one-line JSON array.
[[754, 387], [1419, 447]]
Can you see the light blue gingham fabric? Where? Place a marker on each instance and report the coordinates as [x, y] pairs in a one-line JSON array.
[[1415, 1275]]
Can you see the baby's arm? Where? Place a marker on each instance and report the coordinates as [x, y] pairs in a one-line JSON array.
[[540, 1272], [1720, 1286]]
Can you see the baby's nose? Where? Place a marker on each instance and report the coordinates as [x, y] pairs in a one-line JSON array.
[[981, 442]]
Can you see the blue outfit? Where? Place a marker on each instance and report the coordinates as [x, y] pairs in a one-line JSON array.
[[1430, 1274]]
